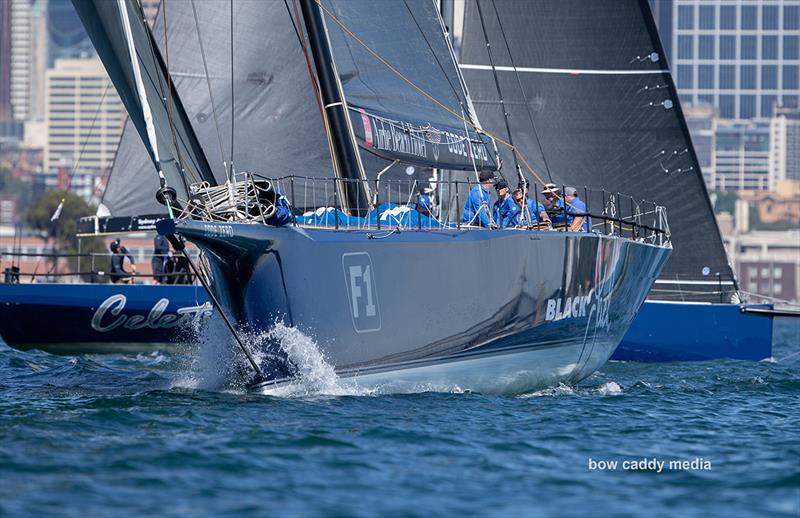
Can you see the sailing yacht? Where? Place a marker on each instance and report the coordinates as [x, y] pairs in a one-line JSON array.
[[592, 101], [345, 103]]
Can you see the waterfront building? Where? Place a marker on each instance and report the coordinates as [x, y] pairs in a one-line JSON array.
[[84, 116]]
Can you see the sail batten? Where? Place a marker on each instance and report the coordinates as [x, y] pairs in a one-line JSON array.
[[594, 77]]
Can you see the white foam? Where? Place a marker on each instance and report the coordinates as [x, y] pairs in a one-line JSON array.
[[610, 388]]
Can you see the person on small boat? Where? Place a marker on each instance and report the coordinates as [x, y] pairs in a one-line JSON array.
[[476, 209], [576, 206], [504, 205], [160, 259], [118, 272]]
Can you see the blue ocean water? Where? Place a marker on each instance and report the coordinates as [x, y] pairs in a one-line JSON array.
[[105, 435]]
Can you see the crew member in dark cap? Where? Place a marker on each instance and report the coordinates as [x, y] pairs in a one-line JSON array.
[[118, 272], [476, 209], [503, 206]]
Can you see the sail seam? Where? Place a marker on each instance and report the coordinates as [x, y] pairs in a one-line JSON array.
[[572, 71]]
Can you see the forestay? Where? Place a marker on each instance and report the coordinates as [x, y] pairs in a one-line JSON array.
[[277, 124], [110, 24], [591, 77]]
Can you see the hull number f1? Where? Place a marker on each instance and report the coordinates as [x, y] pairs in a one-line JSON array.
[[359, 277]]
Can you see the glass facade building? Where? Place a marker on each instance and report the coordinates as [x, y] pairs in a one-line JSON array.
[[742, 56]]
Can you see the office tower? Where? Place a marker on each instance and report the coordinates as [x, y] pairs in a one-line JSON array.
[[84, 116], [5, 61], [784, 159], [742, 56], [66, 37], [741, 156]]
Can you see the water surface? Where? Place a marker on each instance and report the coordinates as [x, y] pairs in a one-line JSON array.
[[156, 434]]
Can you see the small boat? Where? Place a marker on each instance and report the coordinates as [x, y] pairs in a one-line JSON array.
[[392, 295], [592, 101], [101, 318]]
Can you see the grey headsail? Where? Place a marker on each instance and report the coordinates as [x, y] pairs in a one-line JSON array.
[[171, 141], [591, 103], [277, 124], [406, 98]]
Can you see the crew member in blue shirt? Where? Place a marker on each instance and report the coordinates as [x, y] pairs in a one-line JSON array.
[[504, 206], [424, 204], [476, 209], [576, 206], [536, 209], [118, 255]]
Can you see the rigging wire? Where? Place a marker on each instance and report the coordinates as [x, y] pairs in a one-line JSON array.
[[521, 89], [208, 84], [500, 95], [423, 92], [170, 114], [57, 213], [430, 47], [233, 104]]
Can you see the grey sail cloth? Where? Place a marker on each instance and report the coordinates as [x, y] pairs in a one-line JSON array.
[[277, 123], [390, 118], [607, 115], [180, 153]]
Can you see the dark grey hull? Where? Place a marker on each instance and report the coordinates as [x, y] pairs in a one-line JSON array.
[[483, 310]]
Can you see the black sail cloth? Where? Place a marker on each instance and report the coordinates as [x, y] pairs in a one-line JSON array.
[[277, 125], [596, 85], [179, 152], [391, 116]]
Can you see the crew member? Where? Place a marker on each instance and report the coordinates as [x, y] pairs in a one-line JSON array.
[[424, 204], [576, 206], [536, 210], [553, 204], [504, 206], [118, 272], [159, 259], [476, 209]]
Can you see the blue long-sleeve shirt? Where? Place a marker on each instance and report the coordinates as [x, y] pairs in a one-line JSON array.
[[502, 210], [515, 217], [577, 206], [478, 196]]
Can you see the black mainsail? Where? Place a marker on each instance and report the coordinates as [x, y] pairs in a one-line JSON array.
[[591, 102]]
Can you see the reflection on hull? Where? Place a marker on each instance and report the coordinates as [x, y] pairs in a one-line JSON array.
[[430, 306]]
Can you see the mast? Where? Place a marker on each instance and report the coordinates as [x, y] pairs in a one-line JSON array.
[[347, 162]]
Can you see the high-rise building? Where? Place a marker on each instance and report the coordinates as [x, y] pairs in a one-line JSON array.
[[20, 58], [84, 116], [66, 37], [784, 157], [741, 156], [5, 61], [742, 56]]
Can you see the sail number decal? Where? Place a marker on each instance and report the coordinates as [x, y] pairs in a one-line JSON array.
[[210, 230], [359, 279]]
